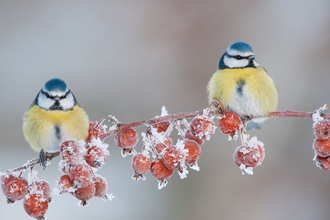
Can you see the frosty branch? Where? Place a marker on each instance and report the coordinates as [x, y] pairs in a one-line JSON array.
[[80, 159]]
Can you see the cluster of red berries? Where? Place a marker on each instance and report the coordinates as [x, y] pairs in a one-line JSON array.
[[251, 153], [321, 144], [165, 156], [35, 195], [79, 162]]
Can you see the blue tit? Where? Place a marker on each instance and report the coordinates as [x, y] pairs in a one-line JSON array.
[[54, 117], [243, 86]]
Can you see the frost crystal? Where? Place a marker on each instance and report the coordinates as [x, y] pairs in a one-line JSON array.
[[246, 170], [164, 112], [254, 143], [317, 115], [162, 183]]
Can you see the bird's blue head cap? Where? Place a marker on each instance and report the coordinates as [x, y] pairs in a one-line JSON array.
[[55, 85], [236, 50], [240, 46]]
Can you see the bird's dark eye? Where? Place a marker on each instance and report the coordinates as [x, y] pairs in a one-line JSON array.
[[64, 96], [239, 57]]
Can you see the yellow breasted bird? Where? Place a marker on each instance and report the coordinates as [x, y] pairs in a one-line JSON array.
[[54, 117], [242, 85]]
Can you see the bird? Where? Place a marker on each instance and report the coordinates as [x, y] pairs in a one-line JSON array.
[[242, 86], [54, 117]]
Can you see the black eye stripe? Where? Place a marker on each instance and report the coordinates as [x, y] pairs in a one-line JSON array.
[[52, 97], [239, 57]]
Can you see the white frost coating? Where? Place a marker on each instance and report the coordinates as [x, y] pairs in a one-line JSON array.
[[233, 137], [32, 176], [184, 152], [317, 115], [180, 146], [162, 183], [183, 171], [160, 137], [108, 197], [254, 143], [246, 170], [164, 112], [194, 166], [100, 144], [147, 144], [244, 150]]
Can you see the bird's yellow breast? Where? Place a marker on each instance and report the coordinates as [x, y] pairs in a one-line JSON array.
[[247, 91], [48, 129]]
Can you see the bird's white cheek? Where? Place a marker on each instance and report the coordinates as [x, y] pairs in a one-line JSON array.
[[234, 63], [68, 102], [44, 102]]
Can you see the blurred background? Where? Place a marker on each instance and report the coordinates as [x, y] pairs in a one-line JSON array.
[[129, 58]]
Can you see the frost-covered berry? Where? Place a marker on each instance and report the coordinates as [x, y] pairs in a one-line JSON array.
[[64, 184], [35, 205], [323, 162], [13, 187], [95, 157], [229, 123], [161, 126], [95, 131], [190, 136], [126, 138], [249, 156], [322, 129], [141, 163], [101, 187], [43, 188], [160, 171], [194, 151], [322, 147], [72, 152], [202, 127], [172, 158], [159, 147], [81, 175], [85, 193]]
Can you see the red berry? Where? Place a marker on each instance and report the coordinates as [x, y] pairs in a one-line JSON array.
[[190, 136], [126, 138], [322, 129], [322, 147], [194, 151], [35, 205], [202, 127], [229, 123], [159, 147], [71, 152], [85, 193], [141, 163], [95, 130], [323, 162], [14, 187], [64, 184], [161, 126], [101, 187], [160, 171], [44, 188], [95, 157], [81, 175], [249, 156], [172, 158]]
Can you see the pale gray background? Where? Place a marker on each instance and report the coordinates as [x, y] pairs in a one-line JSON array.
[[129, 58]]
